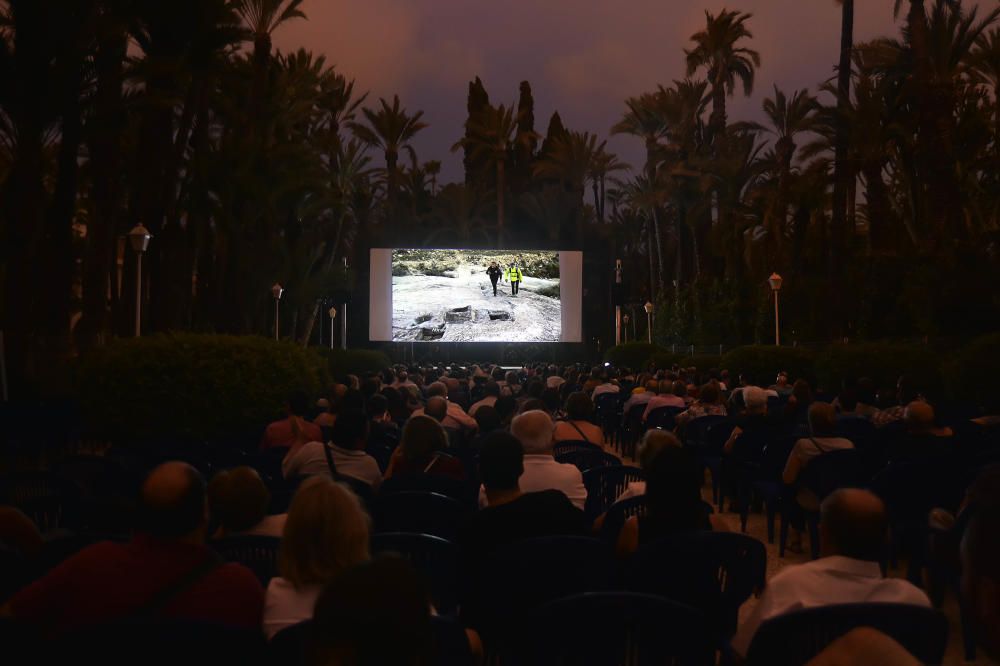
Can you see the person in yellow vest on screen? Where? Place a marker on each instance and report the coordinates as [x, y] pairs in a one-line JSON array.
[[515, 276]]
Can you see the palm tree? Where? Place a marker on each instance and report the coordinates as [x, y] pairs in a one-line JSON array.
[[390, 129], [603, 164], [841, 177], [491, 137], [432, 168], [262, 18], [985, 61], [717, 50]]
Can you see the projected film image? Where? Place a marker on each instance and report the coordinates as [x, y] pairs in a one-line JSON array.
[[475, 296]]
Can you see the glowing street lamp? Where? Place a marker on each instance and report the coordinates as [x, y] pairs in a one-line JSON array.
[[277, 290], [649, 321], [139, 239], [333, 315], [775, 282]]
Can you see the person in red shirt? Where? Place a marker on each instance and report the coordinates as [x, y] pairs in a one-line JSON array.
[[166, 570], [280, 433]]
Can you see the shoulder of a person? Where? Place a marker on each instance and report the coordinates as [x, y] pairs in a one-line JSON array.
[[909, 592], [238, 576]]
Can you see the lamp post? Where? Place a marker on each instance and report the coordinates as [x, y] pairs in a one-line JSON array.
[[277, 290], [139, 238], [775, 282], [625, 330], [649, 321], [333, 315]]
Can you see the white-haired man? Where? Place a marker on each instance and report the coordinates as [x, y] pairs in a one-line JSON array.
[[455, 417], [534, 429]]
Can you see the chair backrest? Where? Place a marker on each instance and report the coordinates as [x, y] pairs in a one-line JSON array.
[[617, 514], [662, 418], [601, 628], [585, 459], [831, 471], [425, 483], [420, 513], [268, 461], [573, 445], [46, 499], [796, 637], [911, 489], [257, 553], [633, 419], [712, 571], [523, 575], [606, 484], [696, 429], [435, 558], [716, 434], [360, 488]]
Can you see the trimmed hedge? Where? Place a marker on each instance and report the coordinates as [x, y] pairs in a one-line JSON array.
[[762, 362], [189, 387], [633, 355], [971, 373], [353, 361], [883, 363]]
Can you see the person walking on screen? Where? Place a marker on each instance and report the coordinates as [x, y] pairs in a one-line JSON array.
[[514, 275], [494, 272]]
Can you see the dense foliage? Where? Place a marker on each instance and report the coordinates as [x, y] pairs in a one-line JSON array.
[[882, 363], [972, 372], [187, 386]]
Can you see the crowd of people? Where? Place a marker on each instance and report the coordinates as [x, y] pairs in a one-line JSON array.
[[495, 431]]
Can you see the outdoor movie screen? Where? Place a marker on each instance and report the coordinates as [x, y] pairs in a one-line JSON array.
[[455, 295]]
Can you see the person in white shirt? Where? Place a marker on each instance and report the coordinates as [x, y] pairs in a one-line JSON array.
[[534, 429], [671, 395], [642, 397], [327, 532], [606, 387], [853, 529], [455, 417], [492, 390], [347, 449]]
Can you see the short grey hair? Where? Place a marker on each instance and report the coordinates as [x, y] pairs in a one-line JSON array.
[[534, 430], [754, 398]]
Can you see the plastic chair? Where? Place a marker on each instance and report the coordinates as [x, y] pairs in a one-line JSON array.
[[603, 628], [617, 514], [425, 483], [766, 484], [420, 513], [695, 431], [712, 571], [257, 553], [574, 445], [662, 418], [797, 637], [585, 459], [48, 501], [607, 406], [436, 558], [606, 484], [632, 429], [523, 575]]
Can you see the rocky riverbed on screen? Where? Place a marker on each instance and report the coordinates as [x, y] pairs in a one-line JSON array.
[[460, 307]]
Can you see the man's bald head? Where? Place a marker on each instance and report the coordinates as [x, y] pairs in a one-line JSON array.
[[853, 524], [172, 503], [534, 430], [918, 416], [436, 408]]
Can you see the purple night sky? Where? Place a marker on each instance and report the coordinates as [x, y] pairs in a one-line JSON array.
[[582, 58]]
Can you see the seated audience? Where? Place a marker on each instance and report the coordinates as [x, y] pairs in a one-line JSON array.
[[455, 417], [822, 439], [111, 581], [488, 420], [652, 442], [853, 528], [641, 396], [380, 422], [280, 433], [350, 436], [608, 385], [421, 450], [980, 553], [577, 425], [781, 386], [306, 456], [922, 438], [748, 439], [541, 471], [326, 415], [673, 502], [506, 408], [326, 533], [709, 403], [492, 394], [513, 515], [19, 533], [671, 394], [906, 392], [797, 407], [238, 502]]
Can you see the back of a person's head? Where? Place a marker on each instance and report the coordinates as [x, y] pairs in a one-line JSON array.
[[866, 391], [422, 436], [375, 613], [238, 498], [802, 392], [437, 389], [652, 386], [822, 419], [710, 393], [980, 551], [854, 524], [376, 406], [550, 397], [326, 531], [350, 430], [673, 489], [298, 403], [848, 399], [666, 387], [173, 502], [535, 388], [506, 406], [534, 430], [352, 399], [652, 442], [511, 377], [918, 417], [680, 389], [436, 408], [487, 419], [492, 389], [906, 390], [501, 461], [579, 406], [534, 404], [755, 400]]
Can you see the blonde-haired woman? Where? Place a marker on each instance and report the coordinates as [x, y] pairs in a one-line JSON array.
[[326, 532]]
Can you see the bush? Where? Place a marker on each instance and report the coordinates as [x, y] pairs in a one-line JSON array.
[[971, 373], [633, 355], [883, 363], [190, 387], [551, 291], [761, 363], [353, 361]]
